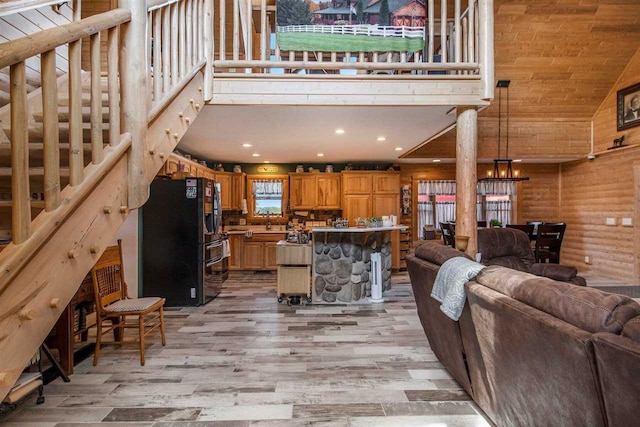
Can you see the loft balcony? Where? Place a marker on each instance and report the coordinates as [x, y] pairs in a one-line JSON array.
[[442, 58]]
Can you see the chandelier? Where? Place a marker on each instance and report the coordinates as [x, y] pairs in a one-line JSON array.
[[503, 166]]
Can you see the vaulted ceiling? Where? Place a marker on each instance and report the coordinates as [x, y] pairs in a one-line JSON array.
[[562, 56]]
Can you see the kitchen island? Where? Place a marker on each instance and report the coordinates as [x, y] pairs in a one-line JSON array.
[[342, 262]]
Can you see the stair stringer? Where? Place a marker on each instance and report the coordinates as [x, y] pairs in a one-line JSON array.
[[43, 281]]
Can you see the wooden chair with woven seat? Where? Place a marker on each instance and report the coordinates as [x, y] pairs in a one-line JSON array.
[[114, 304]]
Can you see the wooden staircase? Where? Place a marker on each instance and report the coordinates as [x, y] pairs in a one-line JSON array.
[[57, 240]]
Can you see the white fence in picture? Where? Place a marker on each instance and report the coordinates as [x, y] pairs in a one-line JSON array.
[[356, 30]]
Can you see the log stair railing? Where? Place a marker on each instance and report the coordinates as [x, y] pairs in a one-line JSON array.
[[78, 154]]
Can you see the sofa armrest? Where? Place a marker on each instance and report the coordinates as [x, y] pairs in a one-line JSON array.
[[563, 273]]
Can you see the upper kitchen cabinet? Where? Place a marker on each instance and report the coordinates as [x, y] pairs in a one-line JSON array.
[[328, 194], [315, 190], [231, 189], [237, 190], [226, 191], [356, 182], [386, 183], [302, 190], [367, 194]]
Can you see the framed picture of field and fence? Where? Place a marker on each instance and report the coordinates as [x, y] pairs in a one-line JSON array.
[[350, 25]]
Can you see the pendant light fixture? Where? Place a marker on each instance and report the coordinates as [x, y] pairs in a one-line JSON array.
[[502, 166]]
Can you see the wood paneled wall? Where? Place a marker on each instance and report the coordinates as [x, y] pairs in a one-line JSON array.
[[538, 199], [606, 187], [90, 8], [528, 139]]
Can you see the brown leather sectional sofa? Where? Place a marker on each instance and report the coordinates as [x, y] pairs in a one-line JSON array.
[[532, 351]]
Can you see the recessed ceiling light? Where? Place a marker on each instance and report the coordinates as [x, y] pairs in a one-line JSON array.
[[256, 155], [247, 145], [398, 148], [436, 160], [382, 138], [339, 131], [266, 161], [517, 160], [320, 155]]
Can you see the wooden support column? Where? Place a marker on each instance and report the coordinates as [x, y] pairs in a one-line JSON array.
[[133, 77], [466, 179]]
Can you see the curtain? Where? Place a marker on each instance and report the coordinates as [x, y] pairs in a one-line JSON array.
[[497, 188], [267, 187], [444, 212], [441, 188], [500, 210]]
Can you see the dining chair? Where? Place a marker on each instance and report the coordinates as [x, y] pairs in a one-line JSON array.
[[535, 224], [114, 305], [448, 234], [527, 228], [549, 242]]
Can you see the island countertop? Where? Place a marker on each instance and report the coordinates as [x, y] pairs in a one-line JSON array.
[[356, 229]]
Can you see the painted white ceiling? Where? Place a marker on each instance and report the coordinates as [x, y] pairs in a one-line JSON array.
[[292, 134]]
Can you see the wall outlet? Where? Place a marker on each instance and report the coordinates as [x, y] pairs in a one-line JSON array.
[[193, 292], [627, 222], [587, 259], [610, 221]]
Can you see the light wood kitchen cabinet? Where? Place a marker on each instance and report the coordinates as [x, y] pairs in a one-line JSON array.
[[270, 255], [315, 191], [224, 179], [235, 246], [259, 251], [356, 206], [386, 183], [231, 189], [302, 191], [252, 255], [386, 204], [356, 182], [328, 194], [237, 190]]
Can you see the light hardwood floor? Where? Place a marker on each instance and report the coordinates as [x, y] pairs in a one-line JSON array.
[[245, 360]]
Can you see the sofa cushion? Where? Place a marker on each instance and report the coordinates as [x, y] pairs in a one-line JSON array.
[[509, 262], [631, 329], [437, 253], [501, 242], [564, 273], [587, 308]]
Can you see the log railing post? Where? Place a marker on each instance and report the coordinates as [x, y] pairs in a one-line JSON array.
[[50, 135], [486, 60], [133, 78], [209, 48], [21, 209], [466, 176]]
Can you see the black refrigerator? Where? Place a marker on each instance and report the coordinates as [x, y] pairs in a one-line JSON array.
[[180, 241]]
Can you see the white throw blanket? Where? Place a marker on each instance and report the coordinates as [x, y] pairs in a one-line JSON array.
[[448, 288]]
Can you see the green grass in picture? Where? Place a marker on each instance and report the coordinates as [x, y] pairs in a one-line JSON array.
[[346, 43]]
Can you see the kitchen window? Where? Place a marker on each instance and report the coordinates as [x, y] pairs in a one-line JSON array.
[[267, 196]]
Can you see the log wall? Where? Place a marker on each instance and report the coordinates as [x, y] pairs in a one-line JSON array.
[[605, 188]]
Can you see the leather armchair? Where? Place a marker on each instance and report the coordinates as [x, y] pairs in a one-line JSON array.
[[509, 247]]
